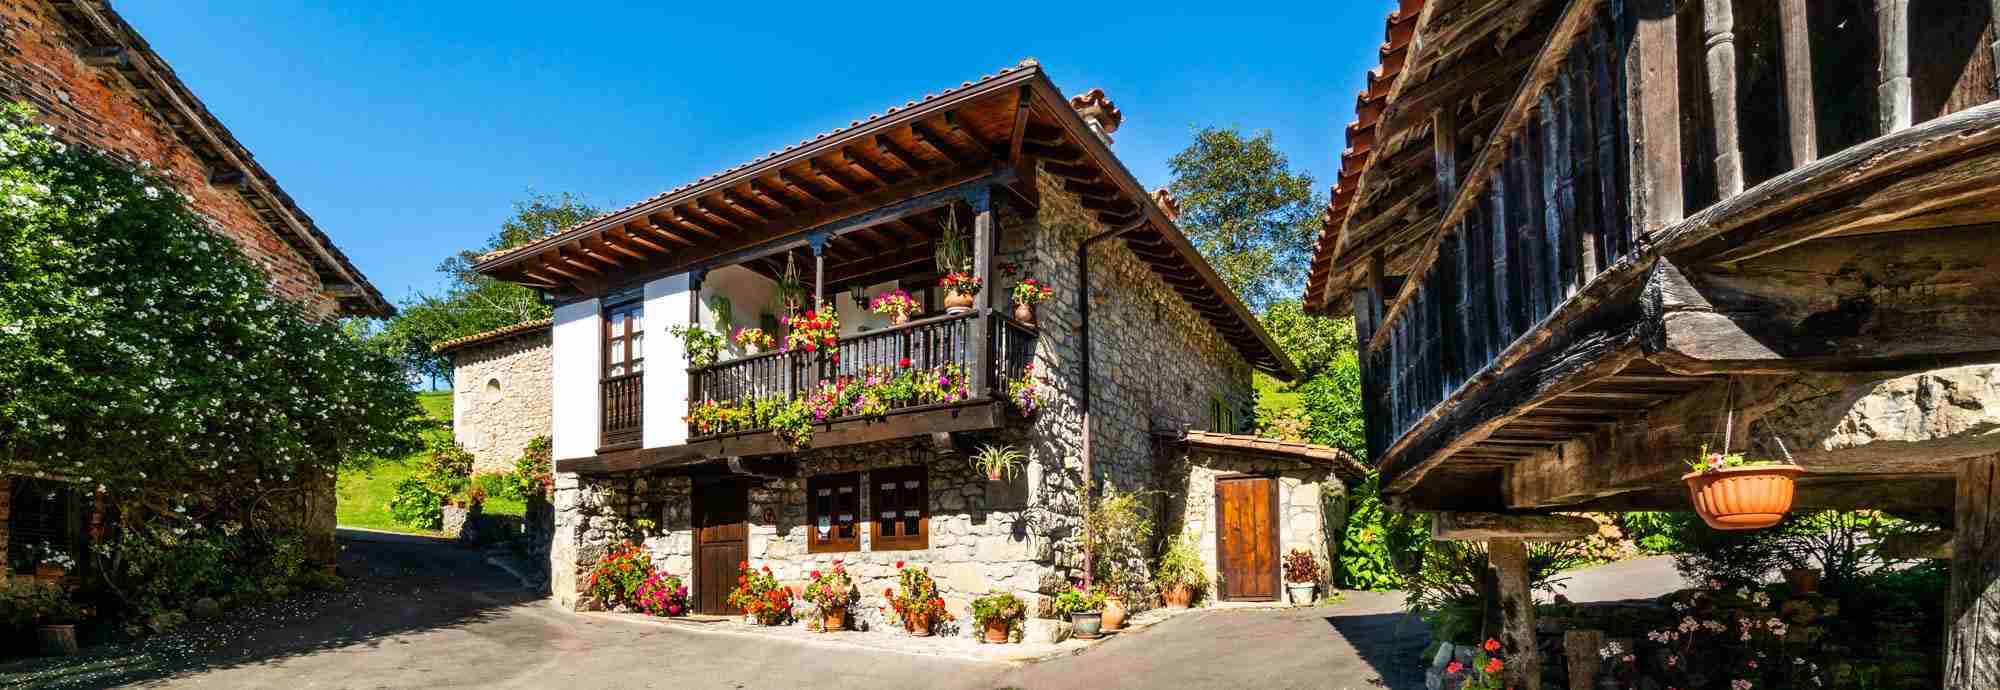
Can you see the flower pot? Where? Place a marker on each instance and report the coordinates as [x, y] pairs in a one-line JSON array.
[[1087, 625], [833, 619], [898, 318], [1739, 498], [993, 474], [1803, 581], [752, 350], [1178, 596], [57, 640], [957, 302], [1302, 594], [772, 619], [919, 624], [1114, 613], [1024, 313], [997, 630]]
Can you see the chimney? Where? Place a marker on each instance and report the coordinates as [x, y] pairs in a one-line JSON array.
[[1166, 201], [1098, 111]]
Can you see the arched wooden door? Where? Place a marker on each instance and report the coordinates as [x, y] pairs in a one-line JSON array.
[[1246, 540], [721, 544]]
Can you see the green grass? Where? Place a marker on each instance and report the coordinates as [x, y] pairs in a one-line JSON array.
[[364, 496], [1273, 396]]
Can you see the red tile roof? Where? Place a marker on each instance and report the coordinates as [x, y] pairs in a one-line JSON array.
[[1309, 453], [1400, 28], [523, 328]]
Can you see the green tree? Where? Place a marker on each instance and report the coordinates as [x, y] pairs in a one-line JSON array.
[[474, 303], [1253, 218]]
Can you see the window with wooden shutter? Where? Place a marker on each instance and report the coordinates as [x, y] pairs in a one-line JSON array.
[[833, 509], [901, 501]]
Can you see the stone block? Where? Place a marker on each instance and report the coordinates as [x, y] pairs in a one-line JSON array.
[[1044, 631]]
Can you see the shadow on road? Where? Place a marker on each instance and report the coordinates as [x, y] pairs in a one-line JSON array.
[[1390, 643], [395, 586]]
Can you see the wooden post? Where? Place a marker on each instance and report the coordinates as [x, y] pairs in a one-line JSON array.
[[1444, 152], [1503, 331], [1580, 649], [1718, 22], [982, 265], [1892, 22], [818, 242], [1652, 92], [1796, 31], [1972, 630], [1509, 559]]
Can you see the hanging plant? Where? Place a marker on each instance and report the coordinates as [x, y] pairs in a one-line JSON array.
[[700, 345], [816, 331], [1732, 492], [897, 304]]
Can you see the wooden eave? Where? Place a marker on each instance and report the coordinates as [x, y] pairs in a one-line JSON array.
[[1003, 124]]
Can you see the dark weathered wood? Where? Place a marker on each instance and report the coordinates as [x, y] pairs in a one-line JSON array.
[[1972, 625], [1484, 526], [1795, 31], [1608, 123], [1652, 87], [983, 240], [1444, 147], [1892, 24], [1509, 560], [1718, 21], [1503, 272]]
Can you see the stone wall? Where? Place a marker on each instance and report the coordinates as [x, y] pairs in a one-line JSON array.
[[1311, 504], [501, 398], [98, 107]]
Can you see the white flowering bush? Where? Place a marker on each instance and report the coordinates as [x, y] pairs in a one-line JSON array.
[[145, 358]]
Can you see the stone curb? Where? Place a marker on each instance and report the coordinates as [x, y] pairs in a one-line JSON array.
[[836, 641]]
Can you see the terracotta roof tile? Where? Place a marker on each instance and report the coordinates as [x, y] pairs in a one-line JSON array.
[[495, 335], [1310, 453]]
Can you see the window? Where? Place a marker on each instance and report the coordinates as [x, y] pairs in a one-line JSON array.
[[833, 505], [901, 501], [624, 339], [1221, 418]]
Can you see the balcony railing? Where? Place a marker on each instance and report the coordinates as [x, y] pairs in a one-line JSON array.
[[942, 345], [623, 409]]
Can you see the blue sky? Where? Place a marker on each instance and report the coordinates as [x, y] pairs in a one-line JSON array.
[[407, 129]]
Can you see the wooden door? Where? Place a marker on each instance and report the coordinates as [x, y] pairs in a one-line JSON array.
[[1246, 543], [721, 544]]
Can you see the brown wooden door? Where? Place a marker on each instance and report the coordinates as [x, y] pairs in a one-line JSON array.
[[721, 544], [1246, 544]]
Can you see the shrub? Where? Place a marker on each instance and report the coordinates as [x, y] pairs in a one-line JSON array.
[[1117, 530], [1181, 564], [616, 578], [759, 595], [661, 595], [444, 475], [1378, 545], [1653, 533]]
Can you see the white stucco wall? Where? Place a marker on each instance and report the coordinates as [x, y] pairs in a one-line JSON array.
[[578, 360], [665, 395], [751, 295]]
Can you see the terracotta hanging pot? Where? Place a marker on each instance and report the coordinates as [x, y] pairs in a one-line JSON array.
[[1741, 498], [1024, 313], [898, 318], [957, 302], [997, 630]]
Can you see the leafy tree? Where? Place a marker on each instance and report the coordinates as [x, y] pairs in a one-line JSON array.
[[1248, 213], [473, 303], [1333, 400], [1313, 342], [146, 358]]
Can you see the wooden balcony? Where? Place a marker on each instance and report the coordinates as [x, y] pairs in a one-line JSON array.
[[624, 410]]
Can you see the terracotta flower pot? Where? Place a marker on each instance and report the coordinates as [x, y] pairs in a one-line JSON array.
[[833, 619], [898, 318], [1114, 612], [957, 302], [57, 640], [1803, 581], [993, 474], [1178, 596], [919, 624], [997, 630], [1740, 498], [1024, 313]]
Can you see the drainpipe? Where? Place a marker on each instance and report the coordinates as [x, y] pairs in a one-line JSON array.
[[1083, 336]]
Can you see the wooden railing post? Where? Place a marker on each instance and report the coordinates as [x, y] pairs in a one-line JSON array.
[[1718, 21], [1652, 95], [1892, 23], [1795, 29]]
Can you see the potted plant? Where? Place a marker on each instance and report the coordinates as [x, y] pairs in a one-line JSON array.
[[52, 563], [1085, 610], [997, 614], [754, 341], [915, 600], [699, 345], [954, 265], [1485, 671], [1181, 574], [895, 303], [791, 288], [618, 574], [56, 616], [1114, 609], [1000, 462], [1301, 576], [1027, 294], [959, 290], [662, 595], [1026, 393], [760, 597], [816, 331], [833, 594], [1733, 492]]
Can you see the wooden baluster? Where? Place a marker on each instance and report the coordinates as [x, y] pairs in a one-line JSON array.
[[1604, 99], [1556, 232], [1652, 94], [1892, 23], [1468, 326], [1581, 192], [1718, 22], [1795, 31], [1444, 154], [1502, 329]]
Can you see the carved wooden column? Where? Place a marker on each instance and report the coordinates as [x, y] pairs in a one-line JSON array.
[[1972, 626], [1892, 22], [1509, 559], [1795, 29], [982, 264], [1718, 21], [1652, 96]]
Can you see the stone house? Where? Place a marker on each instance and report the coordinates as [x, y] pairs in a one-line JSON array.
[[1141, 344], [501, 383], [97, 82]]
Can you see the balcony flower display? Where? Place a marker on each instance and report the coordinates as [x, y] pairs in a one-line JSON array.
[[754, 340], [959, 288], [895, 303], [816, 331], [1028, 293], [1027, 392]]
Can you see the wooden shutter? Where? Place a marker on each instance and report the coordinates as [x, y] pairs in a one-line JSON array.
[[833, 508], [901, 509]]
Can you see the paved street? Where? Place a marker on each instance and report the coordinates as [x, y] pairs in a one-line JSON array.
[[422, 615]]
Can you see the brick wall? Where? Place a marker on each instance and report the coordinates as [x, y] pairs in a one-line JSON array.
[[99, 107]]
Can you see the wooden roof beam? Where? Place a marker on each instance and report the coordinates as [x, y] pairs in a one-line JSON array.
[[902, 156], [939, 143], [770, 195], [674, 216], [852, 156], [797, 184]]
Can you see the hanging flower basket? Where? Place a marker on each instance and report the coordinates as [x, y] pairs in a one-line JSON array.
[[1743, 497]]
